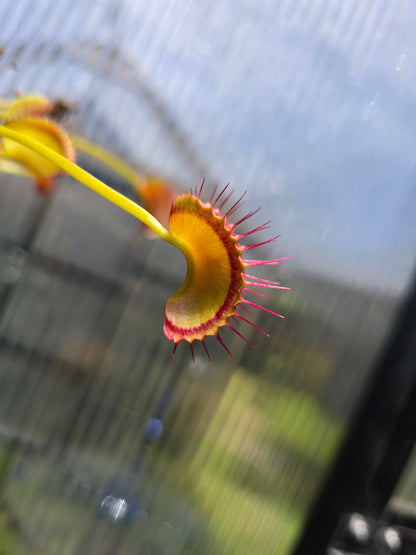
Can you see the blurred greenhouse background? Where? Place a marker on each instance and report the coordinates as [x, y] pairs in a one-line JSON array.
[[108, 444]]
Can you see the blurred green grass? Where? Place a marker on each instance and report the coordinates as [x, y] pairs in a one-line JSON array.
[[250, 476], [246, 465]]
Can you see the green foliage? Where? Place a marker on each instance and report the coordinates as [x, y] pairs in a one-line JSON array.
[[8, 542], [263, 442]]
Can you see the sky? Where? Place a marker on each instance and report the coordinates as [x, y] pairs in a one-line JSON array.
[[307, 105]]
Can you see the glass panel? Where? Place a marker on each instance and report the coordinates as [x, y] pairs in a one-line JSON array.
[[108, 442]]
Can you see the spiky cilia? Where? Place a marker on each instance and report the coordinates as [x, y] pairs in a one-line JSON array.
[[213, 291]]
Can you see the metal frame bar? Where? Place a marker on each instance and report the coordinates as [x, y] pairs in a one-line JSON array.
[[379, 440]]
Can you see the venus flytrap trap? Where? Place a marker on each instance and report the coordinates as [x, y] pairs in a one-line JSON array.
[[25, 106], [32, 106], [42, 170], [217, 281], [32, 116], [213, 292]]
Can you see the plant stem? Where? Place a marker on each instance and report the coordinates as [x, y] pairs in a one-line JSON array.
[[101, 188], [106, 158]]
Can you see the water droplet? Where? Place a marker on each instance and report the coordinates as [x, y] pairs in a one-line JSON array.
[[400, 63], [106, 502], [392, 539], [118, 509], [372, 107], [165, 528], [359, 528], [153, 429]]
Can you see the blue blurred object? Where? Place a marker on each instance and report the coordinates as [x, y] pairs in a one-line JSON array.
[[153, 429]]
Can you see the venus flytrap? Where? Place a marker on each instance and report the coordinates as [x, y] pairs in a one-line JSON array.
[[25, 161], [32, 115], [24, 107], [216, 285]]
